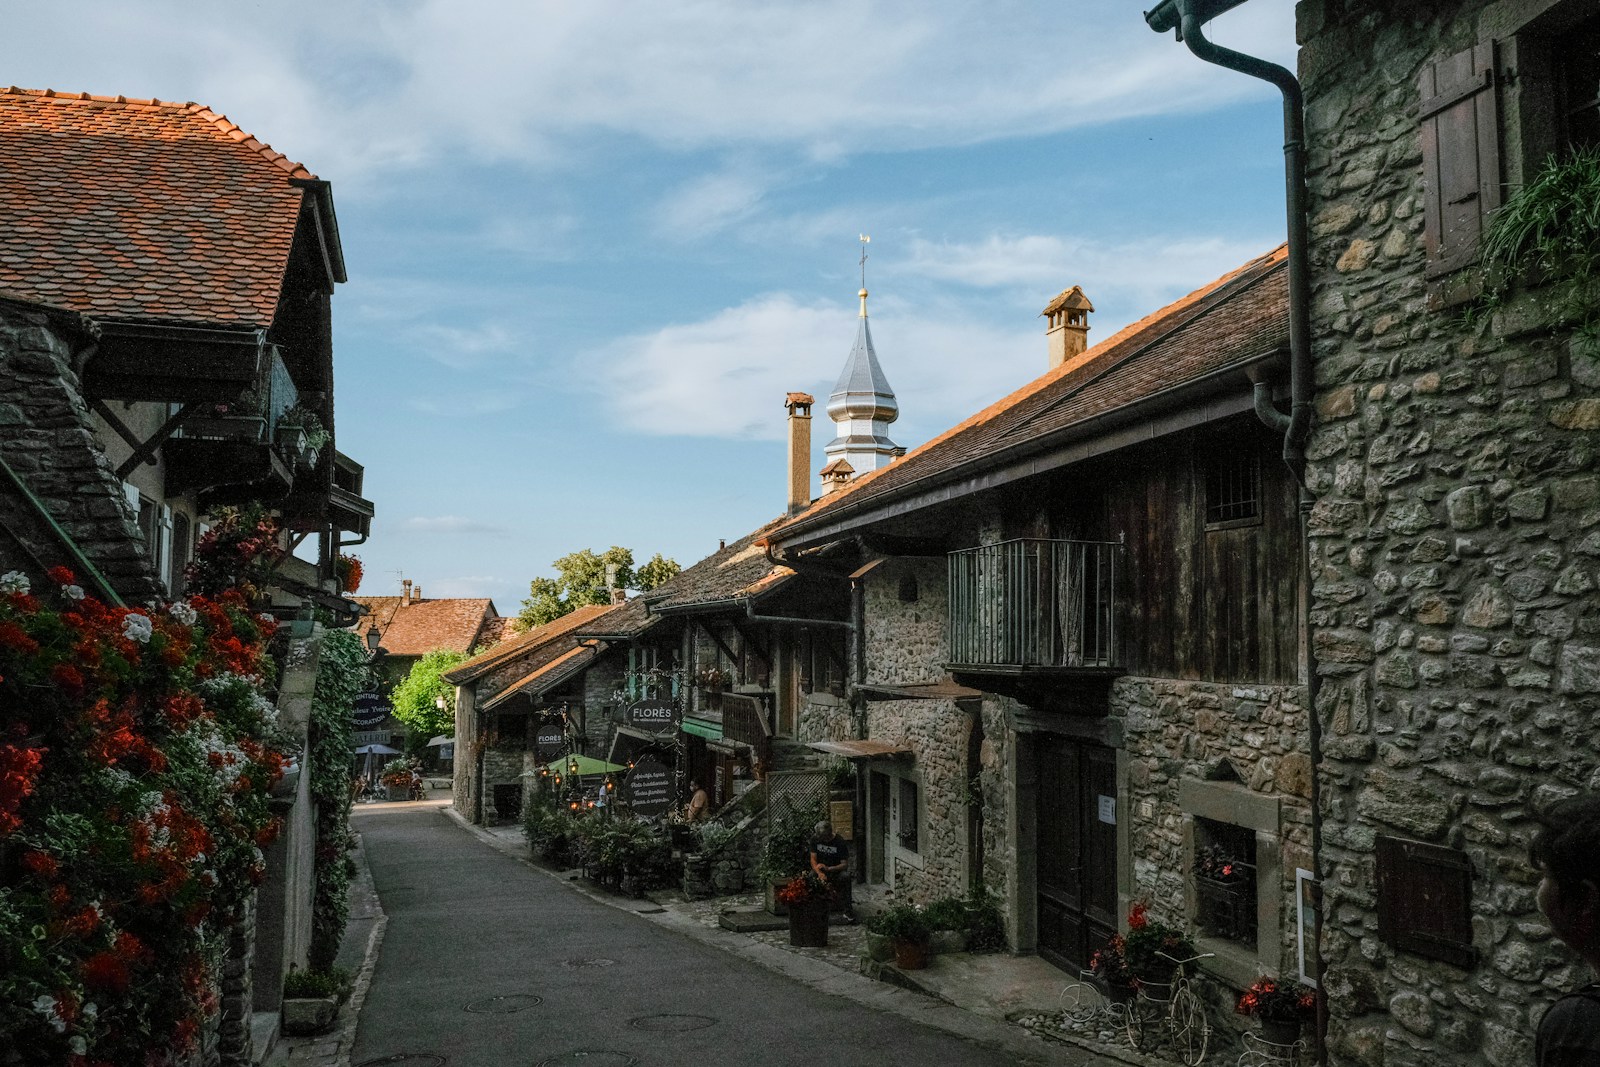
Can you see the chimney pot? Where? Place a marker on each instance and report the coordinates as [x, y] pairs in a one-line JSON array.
[[799, 405], [1068, 326], [405, 592]]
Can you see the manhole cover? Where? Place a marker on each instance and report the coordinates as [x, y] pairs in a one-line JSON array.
[[405, 1059], [672, 1023], [505, 1005], [588, 961], [589, 1058]]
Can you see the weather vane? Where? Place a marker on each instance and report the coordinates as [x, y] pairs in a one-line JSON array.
[[865, 241]]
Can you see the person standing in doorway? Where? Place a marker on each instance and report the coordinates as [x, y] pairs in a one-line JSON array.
[[1566, 850], [699, 803], [830, 859]]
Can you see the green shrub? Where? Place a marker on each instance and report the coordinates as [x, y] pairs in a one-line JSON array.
[[341, 670], [332, 982], [787, 849], [947, 913], [902, 922]]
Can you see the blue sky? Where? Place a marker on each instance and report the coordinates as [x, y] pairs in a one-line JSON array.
[[592, 245]]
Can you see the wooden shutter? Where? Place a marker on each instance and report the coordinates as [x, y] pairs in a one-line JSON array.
[[1460, 119], [1425, 900]]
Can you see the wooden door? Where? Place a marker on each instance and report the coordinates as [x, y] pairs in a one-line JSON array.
[[1077, 849]]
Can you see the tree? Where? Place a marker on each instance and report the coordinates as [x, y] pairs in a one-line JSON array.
[[415, 699], [581, 579]]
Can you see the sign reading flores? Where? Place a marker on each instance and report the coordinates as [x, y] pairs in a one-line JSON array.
[[652, 714]]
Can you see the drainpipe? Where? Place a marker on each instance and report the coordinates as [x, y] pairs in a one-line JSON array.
[[1188, 18]]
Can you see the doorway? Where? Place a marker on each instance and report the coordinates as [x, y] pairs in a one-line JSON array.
[[1077, 848]]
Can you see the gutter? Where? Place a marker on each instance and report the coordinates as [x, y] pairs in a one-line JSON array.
[[1187, 18]]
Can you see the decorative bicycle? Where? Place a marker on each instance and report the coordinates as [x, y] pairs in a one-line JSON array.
[[1086, 1000], [1180, 1010], [1259, 1052]]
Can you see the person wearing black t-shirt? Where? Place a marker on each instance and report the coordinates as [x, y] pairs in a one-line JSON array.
[[1566, 850], [830, 859]]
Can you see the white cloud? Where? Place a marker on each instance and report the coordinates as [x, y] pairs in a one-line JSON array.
[[710, 203], [449, 524], [355, 87]]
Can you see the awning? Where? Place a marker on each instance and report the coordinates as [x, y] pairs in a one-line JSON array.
[[711, 731], [945, 690], [861, 749]]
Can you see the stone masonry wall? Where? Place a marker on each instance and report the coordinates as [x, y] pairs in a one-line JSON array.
[[46, 438], [1455, 546], [906, 640]]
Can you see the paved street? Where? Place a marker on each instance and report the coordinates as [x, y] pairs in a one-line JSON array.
[[487, 961]]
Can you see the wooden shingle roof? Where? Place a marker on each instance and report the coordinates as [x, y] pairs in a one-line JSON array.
[[143, 210]]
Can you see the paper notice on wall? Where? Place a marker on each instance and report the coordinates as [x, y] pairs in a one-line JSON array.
[[1108, 810]]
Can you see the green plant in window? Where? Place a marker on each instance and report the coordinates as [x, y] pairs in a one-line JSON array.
[[1549, 232]]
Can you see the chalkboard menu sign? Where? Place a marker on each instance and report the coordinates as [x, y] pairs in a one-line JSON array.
[[370, 710], [549, 740], [649, 788], [652, 714]]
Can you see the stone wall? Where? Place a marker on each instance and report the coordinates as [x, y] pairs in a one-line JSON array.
[[46, 437], [1454, 549], [906, 639]]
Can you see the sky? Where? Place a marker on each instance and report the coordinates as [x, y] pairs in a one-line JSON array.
[[592, 245]]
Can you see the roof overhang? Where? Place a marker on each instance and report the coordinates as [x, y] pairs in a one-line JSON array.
[[546, 677], [141, 361], [330, 249], [1222, 393], [946, 690], [862, 749]]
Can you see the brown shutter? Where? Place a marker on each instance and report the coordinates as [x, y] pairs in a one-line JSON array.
[[1425, 900], [1460, 119]]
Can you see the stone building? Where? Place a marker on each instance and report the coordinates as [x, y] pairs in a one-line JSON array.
[[1075, 664], [165, 338], [1453, 540]]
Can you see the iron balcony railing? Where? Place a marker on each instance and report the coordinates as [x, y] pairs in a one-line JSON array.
[[1034, 603]]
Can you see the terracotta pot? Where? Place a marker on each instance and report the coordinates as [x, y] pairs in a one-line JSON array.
[[911, 955], [808, 925]]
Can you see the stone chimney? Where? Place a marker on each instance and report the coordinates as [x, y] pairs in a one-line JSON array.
[[836, 475], [405, 592], [416, 593], [1068, 329], [799, 405]]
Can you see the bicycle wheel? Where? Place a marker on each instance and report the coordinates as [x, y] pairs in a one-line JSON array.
[[1190, 1032], [1133, 1023], [1081, 1002]]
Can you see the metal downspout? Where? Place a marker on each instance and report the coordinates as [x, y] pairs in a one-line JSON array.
[[84, 564], [1188, 17]]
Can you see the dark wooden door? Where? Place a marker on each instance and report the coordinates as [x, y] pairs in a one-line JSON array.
[[1077, 849]]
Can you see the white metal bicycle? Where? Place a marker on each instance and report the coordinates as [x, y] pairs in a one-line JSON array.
[[1180, 1010]]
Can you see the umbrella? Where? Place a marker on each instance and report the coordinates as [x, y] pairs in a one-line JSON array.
[[440, 740], [382, 750], [586, 765]]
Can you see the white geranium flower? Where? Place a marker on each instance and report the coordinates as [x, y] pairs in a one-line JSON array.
[[46, 1006], [78, 1045], [137, 627], [72, 592], [267, 616], [182, 612], [14, 582]]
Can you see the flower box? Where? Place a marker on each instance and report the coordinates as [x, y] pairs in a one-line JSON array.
[[226, 427], [308, 1015], [1226, 908]]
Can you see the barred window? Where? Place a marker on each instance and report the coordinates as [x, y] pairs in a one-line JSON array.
[[1578, 58], [1233, 489]]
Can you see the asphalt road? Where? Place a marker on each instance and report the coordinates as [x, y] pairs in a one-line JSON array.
[[487, 962]]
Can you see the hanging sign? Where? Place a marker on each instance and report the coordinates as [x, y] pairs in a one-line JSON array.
[[549, 740], [370, 709], [649, 788], [652, 714]]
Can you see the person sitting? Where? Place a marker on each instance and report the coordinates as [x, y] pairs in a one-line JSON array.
[[417, 792], [699, 803], [830, 859]]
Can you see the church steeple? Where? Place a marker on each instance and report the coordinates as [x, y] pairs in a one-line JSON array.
[[862, 404]]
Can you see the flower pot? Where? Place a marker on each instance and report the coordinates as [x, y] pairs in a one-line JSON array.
[[397, 792], [1280, 1031], [226, 427], [911, 955], [808, 925], [879, 947], [1121, 994], [943, 941], [308, 1015], [774, 905]]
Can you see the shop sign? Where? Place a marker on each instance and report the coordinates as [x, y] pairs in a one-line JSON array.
[[550, 740], [652, 714], [649, 789], [370, 710]]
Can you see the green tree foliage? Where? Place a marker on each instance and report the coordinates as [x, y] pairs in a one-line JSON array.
[[415, 699], [581, 579], [341, 670]]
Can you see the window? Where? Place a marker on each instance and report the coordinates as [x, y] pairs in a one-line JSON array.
[[1578, 68], [1233, 489], [1425, 900], [182, 552], [907, 815], [155, 526], [1225, 881]]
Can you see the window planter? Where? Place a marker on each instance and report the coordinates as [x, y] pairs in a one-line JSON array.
[[309, 1015], [226, 427], [1227, 908]]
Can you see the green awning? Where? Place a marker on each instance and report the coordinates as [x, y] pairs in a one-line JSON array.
[[711, 731]]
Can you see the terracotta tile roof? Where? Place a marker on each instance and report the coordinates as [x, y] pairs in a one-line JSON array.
[[142, 209], [736, 571], [626, 620], [417, 628], [528, 644], [1238, 318], [547, 675]]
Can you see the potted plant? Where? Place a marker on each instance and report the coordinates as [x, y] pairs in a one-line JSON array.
[[242, 419], [300, 433], [348, 568], [396, 778], [785, 851], [1151, 948], [1281, 1007], [807, 898], [1110, 968], [906, 925], [311, 999]]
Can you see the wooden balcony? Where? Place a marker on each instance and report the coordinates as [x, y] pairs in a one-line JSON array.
[[1034, 607]]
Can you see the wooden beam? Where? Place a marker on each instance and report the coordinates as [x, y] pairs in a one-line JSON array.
[[145, 452]]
